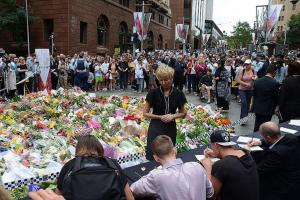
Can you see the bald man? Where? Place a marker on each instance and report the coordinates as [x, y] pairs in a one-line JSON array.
[[279, 170]]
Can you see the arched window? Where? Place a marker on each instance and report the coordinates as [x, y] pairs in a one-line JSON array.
[[160, 42], [102, 30], [123, 33], [150, 39]]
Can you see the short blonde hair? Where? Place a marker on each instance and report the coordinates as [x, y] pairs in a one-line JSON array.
[[164, 71], [162, 146]]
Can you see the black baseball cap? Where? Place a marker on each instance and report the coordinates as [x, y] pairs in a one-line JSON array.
[[222, 138]]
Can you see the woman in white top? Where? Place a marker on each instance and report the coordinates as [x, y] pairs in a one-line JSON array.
[[104, 70], [139, 75]]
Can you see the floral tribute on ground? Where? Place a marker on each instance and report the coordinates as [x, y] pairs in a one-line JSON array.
[[38, 132]]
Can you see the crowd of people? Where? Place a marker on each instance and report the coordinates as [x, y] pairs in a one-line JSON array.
[[211, 76], [265, 83]]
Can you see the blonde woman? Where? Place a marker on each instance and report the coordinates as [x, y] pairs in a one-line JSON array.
[[164, 101]]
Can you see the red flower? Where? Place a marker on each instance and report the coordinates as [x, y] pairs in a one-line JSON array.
[[40, 125], [131, 117]]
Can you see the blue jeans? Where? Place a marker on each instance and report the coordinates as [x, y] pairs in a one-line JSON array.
[[245, 96], [140, 82], [81, 79]]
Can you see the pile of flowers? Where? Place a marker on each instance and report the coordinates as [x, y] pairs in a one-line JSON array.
[[38, 132]]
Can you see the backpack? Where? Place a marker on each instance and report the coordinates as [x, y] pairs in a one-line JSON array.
[[179, 68], [90, 179], [80, 65], [263, 70]]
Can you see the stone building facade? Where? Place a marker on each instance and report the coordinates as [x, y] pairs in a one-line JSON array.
[[96, 26]]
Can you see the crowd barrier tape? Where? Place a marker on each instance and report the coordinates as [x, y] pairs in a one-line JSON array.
[[22, 81]]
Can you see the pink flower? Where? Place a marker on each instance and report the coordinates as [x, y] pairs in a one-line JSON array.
[[93, 124]]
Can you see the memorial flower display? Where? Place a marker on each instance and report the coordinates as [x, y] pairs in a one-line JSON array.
[[38, 132]]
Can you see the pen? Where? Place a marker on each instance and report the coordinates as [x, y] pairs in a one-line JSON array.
[[138, 174]]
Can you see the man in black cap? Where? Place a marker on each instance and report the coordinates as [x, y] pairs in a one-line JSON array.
[[234, 176]]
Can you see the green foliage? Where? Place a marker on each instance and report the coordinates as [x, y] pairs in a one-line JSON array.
[[241, 35], [19, 193], [293, 34], [13, 19]]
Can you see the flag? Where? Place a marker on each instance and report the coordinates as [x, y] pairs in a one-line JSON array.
[[146, 23], [141, 24], [273, 16], [181, 32], [254, 38], [137, 22], [206, 38], [43, 56]]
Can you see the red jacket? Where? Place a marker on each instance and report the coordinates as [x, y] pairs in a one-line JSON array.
[[190, 66]]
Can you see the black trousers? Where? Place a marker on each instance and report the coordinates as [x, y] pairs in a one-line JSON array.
[[156, 128], [222, 103], [179, 81], [260, 119]]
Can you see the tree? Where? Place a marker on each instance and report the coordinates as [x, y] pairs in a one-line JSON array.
[[293, 36], [241, 35], [13, 19]]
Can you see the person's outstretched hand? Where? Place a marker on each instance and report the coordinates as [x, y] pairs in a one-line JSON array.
[[45, 195]]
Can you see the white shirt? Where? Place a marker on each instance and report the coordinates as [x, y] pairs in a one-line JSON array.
[[175, 181], [104, 67]]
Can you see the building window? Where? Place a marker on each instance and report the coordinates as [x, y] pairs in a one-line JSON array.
[[138, 9], [160, 42], [294, 7], [83, 32], [187, 9], [102, 30], [153, 13], [283, 8], [150, 39], [124, 3], [123, 32], [282, 18], [167, 22], [48, 28], [278, 28], [161, 19]]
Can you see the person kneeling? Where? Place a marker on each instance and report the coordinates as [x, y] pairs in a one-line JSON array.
[[175, 180]]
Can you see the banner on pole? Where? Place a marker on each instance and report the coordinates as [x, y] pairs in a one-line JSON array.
[[206, 38], [181, 32], [141, 24], [253, 38], [273, 16], [43, 57]]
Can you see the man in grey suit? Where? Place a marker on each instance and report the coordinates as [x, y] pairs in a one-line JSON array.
[[265, 97]]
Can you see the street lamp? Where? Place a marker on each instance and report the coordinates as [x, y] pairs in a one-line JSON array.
[[294, 2], [27, 28]]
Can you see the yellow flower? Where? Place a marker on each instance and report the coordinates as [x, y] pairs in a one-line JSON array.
[[55, 101], [51, 124], [125, 105], [14, 139]]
